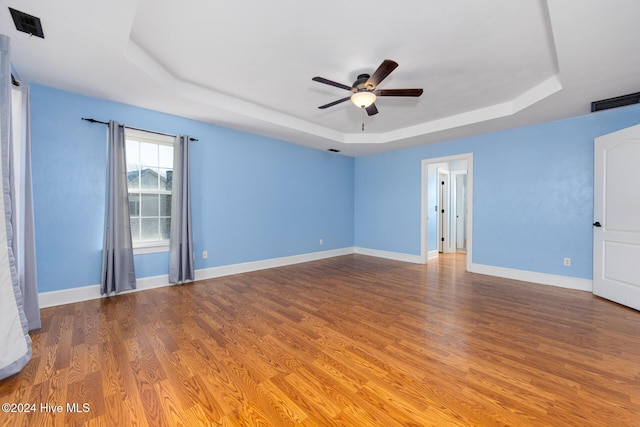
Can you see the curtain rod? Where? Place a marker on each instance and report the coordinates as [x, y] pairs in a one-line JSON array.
[[131, 127]]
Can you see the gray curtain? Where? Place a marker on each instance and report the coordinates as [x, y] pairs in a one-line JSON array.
[[118, 272], [15, 343], [181, 239], [25, 243]]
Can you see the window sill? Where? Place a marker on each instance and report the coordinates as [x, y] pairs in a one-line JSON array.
[[151, 248]]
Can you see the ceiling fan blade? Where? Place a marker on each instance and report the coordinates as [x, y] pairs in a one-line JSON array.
[[331, 104], [331, 83], [398, 92], [381, 73], [372, 109]]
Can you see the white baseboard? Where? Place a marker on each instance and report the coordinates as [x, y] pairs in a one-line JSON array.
[[85, 293], [245, 267], [416, 259], [531, 276], [433, 254], [68, 296]]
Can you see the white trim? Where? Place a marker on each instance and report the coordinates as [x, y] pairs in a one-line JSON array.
[[416, 259], [195, 92], [433, 254], [424, 211], [68, 296], [150, 248], [534, 277], [149, 136], [245, 267], [86, 293]]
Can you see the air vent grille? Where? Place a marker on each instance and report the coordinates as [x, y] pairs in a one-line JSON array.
[[620, 101], [27, 23]]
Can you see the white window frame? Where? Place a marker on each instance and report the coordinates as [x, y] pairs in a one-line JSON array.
[[154, 246]]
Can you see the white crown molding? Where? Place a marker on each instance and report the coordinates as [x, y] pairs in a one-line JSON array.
[[194, 92], [527, 99]]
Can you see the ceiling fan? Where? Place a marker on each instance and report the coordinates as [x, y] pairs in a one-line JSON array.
[[365, 89]]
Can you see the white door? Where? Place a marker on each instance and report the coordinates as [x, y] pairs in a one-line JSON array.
[[461, 211], [616, 231]]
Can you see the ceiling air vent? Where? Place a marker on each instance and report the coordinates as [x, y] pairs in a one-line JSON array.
[[619, 101], [27, 23]]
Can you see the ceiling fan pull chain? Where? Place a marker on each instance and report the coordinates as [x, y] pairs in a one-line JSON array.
[[362, 119]]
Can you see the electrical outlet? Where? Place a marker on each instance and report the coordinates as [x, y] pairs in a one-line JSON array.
[[205, 254], [567, 262], [321, 242]]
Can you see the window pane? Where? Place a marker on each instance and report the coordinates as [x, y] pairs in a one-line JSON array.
[[149, 205], [133, 179], [149, 229], [134, 205], [165, 205], [135, 229], [165, 156], [166, 179], [165, 228], [133, 164], [149, 179], [148, 154], [133, 153]]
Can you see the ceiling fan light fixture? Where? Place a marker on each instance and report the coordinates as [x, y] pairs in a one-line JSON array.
[[363, 99]]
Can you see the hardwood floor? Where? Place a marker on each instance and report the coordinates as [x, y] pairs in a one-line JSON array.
[[351, 341]]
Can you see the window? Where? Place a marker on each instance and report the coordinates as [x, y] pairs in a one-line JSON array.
[[149, 176]]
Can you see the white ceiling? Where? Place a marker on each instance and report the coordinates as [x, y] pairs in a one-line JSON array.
[[484, 65]]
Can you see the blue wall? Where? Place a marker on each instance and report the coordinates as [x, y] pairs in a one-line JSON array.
[[257, 198], [253, 198], [533, 194]]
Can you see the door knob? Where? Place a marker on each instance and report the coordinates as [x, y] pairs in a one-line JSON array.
[[597, 224]]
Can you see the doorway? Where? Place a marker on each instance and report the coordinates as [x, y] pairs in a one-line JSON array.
[[456, 227]]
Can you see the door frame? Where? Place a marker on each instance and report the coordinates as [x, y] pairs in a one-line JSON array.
[[424, 211]]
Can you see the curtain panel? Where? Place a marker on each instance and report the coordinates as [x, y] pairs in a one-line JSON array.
[[181, 266], [25, 242], [15, 343], [118, 271]]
